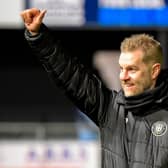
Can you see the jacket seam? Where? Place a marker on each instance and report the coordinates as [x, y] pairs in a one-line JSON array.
[[135, 142], [134, 161], [107, 149]]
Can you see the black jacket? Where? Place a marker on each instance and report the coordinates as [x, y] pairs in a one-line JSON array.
[[133, 130]]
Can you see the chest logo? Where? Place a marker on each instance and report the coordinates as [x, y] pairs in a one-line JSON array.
[[159, 128]]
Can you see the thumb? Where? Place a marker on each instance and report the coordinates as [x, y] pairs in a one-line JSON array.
[[41, 15]]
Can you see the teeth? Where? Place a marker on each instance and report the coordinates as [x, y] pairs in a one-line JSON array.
[[128, 85]]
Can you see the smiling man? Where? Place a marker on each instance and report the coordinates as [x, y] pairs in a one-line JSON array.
[[140, 64], [133, 121]]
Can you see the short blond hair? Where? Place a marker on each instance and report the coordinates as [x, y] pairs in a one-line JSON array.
[[145, 42]]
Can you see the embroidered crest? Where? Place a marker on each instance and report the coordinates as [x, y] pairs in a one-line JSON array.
[[159, 128]]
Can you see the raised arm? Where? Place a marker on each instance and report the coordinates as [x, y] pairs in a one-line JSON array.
[[83, 88]]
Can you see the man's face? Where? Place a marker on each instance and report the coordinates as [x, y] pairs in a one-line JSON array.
[[135, 75]]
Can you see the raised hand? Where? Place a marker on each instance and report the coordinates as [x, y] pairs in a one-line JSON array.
[[33, 19]]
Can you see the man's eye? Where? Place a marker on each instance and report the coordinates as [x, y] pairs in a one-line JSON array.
[[132, 70], [121, 69]]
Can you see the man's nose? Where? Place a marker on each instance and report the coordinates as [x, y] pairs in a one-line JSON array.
[[124, 75]]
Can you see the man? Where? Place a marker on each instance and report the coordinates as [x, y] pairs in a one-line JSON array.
[[133, 122]]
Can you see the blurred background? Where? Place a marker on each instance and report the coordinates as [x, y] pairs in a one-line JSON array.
[[93, 28]]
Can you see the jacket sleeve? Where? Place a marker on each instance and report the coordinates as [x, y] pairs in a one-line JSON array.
[[83, 88]]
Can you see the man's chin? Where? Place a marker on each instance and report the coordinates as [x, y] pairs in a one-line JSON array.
[[129, 94], [129, 91]]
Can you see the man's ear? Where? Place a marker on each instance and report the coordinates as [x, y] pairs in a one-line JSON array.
[[156, 68]]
